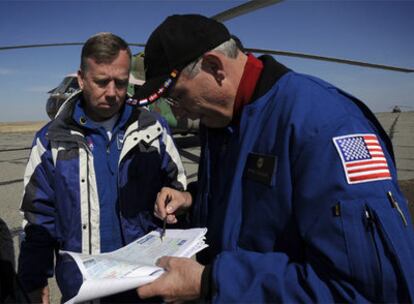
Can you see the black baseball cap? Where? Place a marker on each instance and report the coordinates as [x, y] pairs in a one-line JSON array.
[[175, 43]]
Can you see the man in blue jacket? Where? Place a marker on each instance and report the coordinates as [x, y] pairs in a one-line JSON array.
[[93, 174], [297, 181]]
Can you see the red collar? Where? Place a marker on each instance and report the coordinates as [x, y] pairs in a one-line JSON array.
[[248, 81]]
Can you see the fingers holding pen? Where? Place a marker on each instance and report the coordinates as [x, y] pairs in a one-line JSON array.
[[171, 202], [163, 198], [165, 207]]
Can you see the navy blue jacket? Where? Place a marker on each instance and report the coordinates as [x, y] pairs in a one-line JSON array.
[[289, 216]]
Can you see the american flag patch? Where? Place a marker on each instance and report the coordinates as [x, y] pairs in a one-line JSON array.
[[362, 158]]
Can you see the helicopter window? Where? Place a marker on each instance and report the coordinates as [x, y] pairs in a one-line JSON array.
[[74, 84], [65, 84]]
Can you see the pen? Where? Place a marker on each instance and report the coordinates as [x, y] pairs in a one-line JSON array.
[[164, 223], [395, 205]]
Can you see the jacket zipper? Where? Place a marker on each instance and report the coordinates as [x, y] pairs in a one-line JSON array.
[[371, 225], [118, 183]]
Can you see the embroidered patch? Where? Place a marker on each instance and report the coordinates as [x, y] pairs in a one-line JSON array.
[[362, 158], [120, 139], [131, 101], [260, 168], [90, 143]]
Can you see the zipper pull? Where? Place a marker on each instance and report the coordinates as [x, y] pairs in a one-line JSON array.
[[337, 210], [369, 217], [395, 205]]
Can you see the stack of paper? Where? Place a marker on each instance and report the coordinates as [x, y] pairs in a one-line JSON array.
[[133, 265]]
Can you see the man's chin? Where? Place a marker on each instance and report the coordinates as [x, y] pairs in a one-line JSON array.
[[106, 113], [214, 123]]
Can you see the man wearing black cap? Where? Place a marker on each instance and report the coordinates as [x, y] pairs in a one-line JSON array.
[[297, 181]]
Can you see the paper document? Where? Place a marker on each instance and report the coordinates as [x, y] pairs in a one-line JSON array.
[[133, 265]]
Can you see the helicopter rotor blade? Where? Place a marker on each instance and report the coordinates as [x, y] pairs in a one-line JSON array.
[[223, 16], [331, 59], [243, 9], [253, 50], [30, 46]]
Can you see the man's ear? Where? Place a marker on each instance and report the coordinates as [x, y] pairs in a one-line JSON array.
[[80, 78], [213, 64]]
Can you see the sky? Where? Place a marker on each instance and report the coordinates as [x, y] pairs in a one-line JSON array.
[[373, 31]]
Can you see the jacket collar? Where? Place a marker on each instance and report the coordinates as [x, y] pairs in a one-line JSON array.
[[271, 73], [63, 127]]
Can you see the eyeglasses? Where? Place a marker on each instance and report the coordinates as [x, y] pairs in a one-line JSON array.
[[175, 101], [172, 102]]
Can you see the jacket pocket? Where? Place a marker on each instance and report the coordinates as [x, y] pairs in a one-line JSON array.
[[379, 248], [396, 246], [361, 247]]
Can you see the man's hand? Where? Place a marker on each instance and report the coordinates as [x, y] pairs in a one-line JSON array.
[[178, 203], [40, 295], [180, 282]]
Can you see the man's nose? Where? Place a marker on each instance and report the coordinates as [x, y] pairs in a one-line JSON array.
[[111, 89]]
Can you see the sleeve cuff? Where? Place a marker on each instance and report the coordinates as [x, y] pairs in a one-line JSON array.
[[207, 289]]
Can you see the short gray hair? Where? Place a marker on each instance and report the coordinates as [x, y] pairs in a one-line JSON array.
[[228, 48]]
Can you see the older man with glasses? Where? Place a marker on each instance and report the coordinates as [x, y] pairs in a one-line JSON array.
[[297, 181]]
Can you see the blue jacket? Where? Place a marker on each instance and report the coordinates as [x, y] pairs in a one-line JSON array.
[[287, 220], [61, 201]]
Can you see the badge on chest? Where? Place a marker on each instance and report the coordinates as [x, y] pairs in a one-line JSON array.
[[120, 139], [260, 167]]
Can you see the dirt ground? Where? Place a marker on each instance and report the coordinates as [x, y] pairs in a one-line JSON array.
[[407, 187], [21, 126]]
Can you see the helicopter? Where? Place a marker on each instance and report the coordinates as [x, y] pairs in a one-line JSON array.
[[398, 108], [58, 95]]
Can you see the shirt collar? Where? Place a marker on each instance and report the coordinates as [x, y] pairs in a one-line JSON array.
[[251, 74]]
